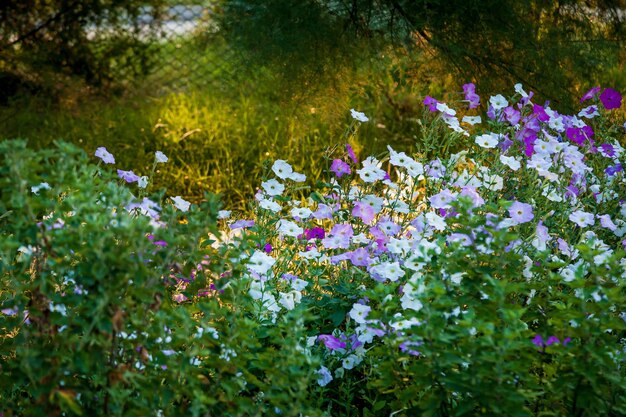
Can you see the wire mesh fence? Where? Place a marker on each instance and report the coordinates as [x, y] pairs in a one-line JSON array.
[[161, 44]]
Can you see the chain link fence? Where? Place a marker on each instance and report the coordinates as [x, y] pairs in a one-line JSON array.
[[159, 45]]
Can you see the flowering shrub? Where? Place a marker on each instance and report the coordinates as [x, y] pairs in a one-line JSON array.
[[488, 282]]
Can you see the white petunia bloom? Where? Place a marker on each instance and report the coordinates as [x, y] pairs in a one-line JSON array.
[[181, 204], [488, 140], [302, 213], [471, 120], [290, 299], [273, 187], [357, 115], [43, 186], [359, 312], [282, 169], [289, 228], [498, 102], [260, 262], [510, 161], [269, 204], [371, 172], [160, 157], [582, 218]]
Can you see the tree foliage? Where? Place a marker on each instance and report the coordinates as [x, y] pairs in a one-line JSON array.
[[547, 45], [88, 38]]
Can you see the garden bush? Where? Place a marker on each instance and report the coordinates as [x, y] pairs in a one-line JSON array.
[[487, 282]]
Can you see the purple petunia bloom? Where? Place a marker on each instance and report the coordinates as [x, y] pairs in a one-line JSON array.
[[537, 340], [552, 340], [470, 95], [611, 99], [128, 176], [359, 257], [512, 115], [607, 150], [521, 212], [242, 224], [351, 154], [590, 94], [315, 233], [267, 248], [104, 155], [431, 103], [363, 211], [614, 169], [405, 347], [340, 168], [331, 342]]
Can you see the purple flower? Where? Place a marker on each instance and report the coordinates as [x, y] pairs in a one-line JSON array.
[[267, 248], [128, 176], [340, 168], [104, 155], [359, 257], [552, 340], [590, 94], [521, 212], [607, 150], [242, 224], [538, 340], [470, 95], [331, 342], [511, 115], [351, 154], [363, 211], [315, 233], [612, 170], [405, 347], [611, 99], [431, 103]]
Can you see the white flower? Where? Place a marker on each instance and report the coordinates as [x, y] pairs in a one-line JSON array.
[[519, 90], [447, 111], [260, 262], [269, 204], [282, 169], [273, 187], [388, 270], [357, 115], [290, 299], [160, 157], [359, 312], [435, 221], [370, 171], [302, 213], [223, 214], [409, 301], [142, 182], [582, 218], [510, 161], [43, 186], [289, 228], [351, 361], [498, 102], [181, 204], [488, 140], [471, 120]]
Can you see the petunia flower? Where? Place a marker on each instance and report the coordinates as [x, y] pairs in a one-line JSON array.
[[521, 212], [160, 157], [180, 203], [331, 342], [128, 176], [104, 155], [357, 115], [611, 99], [340, 168]]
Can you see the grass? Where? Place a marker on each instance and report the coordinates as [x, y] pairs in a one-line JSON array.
[[219, 137]]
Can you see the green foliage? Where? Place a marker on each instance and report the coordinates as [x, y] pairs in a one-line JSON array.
[[551, 47], [98, 319]]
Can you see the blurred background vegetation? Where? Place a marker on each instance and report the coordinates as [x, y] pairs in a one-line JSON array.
[[221, 86]]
